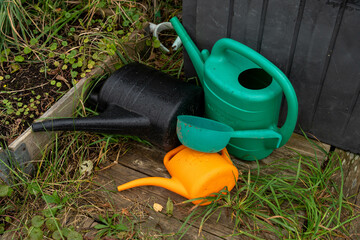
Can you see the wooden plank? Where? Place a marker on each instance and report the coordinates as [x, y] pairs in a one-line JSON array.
[[340, 91], [189, 22], [148, 162], [246, 22], [279, 29], [351, 184], [143, 161], [148, 195], [351, 169], [310, 55], [219, 227], [211, 22], [34, 143], [352, 129]]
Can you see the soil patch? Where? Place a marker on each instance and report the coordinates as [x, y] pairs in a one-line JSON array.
[[26, 95]]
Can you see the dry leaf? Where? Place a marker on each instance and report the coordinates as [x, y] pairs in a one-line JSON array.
[[157, 207], [86, 167], [125, 212], [61, 78]]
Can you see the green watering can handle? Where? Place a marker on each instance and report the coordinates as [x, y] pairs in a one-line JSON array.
[[259, 134], [229, 44]]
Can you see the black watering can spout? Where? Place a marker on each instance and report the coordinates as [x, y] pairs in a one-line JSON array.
[[114, 120], [136, 100]]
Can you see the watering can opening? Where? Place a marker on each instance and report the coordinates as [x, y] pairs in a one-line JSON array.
[[255, 79]]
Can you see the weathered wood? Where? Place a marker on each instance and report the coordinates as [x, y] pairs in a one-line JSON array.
[[143, 161], [189, 20], [147, 196], [313, 42], [159, 195], [278, 33], [351, 183], [246, 22], [318, 22], [29, 145], [65, 107], [351, 175], [211, 21], [338, 113]]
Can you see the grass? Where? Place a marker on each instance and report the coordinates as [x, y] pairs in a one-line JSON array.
[[58, 188], [68, 40], [293, 198], [290, 199], [14, 24]]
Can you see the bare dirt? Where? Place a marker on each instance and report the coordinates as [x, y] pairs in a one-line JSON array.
[[26, 94]]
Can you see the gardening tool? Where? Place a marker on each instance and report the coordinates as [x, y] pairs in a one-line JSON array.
[[156, 29], [243, 90], [211, 136], [194, 174], [137, 100]]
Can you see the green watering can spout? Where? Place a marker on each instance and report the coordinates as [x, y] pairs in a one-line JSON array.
[[196, 57]]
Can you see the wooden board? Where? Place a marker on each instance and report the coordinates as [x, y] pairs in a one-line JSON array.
[[350, 183], [246, 23], [313, 42], [211, 21], [337, 114], [29, 145], [142, 161], [279, 28], [310, 57]]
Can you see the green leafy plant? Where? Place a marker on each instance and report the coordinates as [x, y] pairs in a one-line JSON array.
[[110, 226], [35, 233], [5, 190]]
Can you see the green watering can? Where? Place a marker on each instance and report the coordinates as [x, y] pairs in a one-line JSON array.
[[244, 91]]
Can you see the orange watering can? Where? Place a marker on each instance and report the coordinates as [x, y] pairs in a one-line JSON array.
[[194, 174]]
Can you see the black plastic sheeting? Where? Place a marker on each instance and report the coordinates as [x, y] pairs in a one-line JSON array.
[[316, 43]]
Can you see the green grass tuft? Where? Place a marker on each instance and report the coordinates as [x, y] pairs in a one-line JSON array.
[[295, 199]]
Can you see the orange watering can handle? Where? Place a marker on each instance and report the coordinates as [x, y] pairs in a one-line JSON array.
[[287, 129], [225, 154], [172, 153]]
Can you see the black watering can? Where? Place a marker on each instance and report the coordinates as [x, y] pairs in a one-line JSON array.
[[137, 100]]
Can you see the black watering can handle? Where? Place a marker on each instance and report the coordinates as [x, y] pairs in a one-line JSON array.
[[229, 44]]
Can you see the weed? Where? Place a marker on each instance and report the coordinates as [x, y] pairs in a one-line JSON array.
[[296, 200], [110, 225], [14, 27]]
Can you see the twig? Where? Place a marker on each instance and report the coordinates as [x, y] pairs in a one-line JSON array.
[[26, 89]]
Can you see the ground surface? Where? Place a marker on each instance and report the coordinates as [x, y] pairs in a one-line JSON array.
[[142, 161]]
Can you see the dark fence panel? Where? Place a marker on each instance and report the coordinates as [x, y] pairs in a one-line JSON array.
[[316, 43]]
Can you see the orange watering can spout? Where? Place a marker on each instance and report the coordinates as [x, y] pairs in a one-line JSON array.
[[195, 175], [170, 184]]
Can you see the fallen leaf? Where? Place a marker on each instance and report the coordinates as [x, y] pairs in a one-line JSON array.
[[125, 212], [157, 207], [53, 71], [86, 167], [61, 78]]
